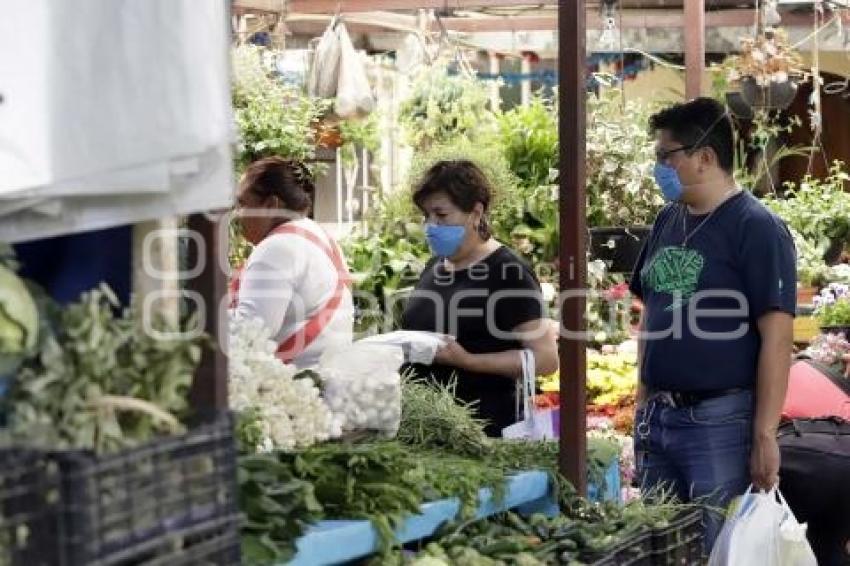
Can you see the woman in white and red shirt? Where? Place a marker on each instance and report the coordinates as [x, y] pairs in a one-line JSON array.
[[296, 279]]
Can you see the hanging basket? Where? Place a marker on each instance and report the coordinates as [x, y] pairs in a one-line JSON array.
[[775, 96], [738, 106]]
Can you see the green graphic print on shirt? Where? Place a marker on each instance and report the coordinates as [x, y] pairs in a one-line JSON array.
[[676, 271]]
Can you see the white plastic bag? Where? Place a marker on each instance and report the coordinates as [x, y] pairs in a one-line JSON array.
[[419, 347], [324, 74], [536, 425], [362, 386], [354, 95], [763, 531]]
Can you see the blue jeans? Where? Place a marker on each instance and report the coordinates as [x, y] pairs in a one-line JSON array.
[[698, 452]]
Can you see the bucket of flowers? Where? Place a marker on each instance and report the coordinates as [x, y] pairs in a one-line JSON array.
[[832, 309]]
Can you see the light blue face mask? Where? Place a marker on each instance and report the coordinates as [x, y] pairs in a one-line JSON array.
[[444, 240], [668, 179]]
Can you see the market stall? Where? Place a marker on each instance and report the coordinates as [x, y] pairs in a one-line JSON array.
[[167, 429]]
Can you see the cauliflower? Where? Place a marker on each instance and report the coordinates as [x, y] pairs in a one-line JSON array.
[[18, 321]]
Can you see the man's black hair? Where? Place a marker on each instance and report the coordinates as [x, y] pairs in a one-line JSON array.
[[702, 121]]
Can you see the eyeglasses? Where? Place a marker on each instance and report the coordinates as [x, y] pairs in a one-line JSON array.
[[662, 155]]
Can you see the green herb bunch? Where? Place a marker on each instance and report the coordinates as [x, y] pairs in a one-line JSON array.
[[432, 417]]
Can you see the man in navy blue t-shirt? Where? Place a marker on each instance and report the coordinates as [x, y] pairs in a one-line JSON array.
[[717, 278]]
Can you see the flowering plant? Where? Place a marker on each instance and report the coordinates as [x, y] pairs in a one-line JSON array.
[[767, 58], [278, 410], [832, 306], [832, 350]]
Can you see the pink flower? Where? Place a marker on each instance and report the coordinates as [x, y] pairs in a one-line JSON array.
[[616, 293]]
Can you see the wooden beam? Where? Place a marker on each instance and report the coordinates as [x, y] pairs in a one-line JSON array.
[[208, 393], [351, 6], [645, 19], [572, 256], [694, 31], [375, 20], [268, 6]]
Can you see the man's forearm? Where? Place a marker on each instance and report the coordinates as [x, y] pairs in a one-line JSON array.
[[772, 380]]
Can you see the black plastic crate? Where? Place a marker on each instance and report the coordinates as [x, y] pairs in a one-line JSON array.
[[680, 543], [29, 496], [172, 501], [636, 550]]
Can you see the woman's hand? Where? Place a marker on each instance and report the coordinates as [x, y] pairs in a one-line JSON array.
[[541, 336], [453, 354]]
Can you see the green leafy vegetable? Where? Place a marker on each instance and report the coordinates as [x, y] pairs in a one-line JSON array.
[[102, 382]]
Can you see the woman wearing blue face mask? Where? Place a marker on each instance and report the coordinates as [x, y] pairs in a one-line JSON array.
[[480, 293]]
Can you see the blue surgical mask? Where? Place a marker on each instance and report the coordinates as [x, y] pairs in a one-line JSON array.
[[445, 240], [668, 179]]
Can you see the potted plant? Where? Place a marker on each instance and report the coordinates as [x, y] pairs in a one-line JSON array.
[[819, 210], [832, 309], [812, 271], [767, 70], [622, 198]]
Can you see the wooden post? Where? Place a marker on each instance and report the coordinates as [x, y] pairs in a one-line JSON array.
[[694, 47], [572, 257], [525, 83], [495, 98], [209, 388]]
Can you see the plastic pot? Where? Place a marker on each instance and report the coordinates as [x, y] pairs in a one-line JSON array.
[[774, 96]]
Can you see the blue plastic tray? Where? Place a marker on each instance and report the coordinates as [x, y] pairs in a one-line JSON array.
[[335, 542]]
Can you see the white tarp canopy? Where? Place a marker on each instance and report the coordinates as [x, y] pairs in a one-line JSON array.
[[113, 111]]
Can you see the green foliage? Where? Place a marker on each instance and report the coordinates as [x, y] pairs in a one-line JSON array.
[[765, 144], [529, 139], [383, 265], [832, 306], [529, 223], [620, 159], [836, 314], [817, 209], [64, 397], [812, 271], [273, 119], [277, 505], [359, 134], [442, 107]]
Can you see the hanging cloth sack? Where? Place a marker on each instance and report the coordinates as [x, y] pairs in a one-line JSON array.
[[354, 95], [324, 73]]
